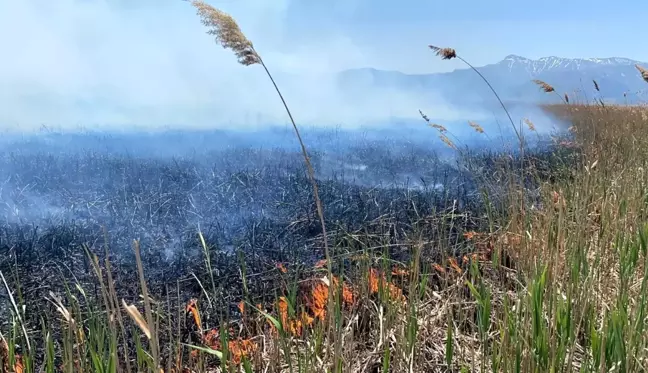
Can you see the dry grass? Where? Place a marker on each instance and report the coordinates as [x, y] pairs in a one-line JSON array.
[[547, 293], [227, 32], [545, 86], [444, 53], [643, 72]]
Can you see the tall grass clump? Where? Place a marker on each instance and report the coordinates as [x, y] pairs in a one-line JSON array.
[[584, 252], [576, 252]]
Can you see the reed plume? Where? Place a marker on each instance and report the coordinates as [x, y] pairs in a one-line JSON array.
[[544, 85], [529, 124], [450, 53], [227, 32], [444, 53], [229, 35], [438, 127], [596, 86], [476, 126], [548, 88], [447, 141], [643, 71]]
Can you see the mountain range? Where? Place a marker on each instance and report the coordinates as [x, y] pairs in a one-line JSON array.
[[512, 77]]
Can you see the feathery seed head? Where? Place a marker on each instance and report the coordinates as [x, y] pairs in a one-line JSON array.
[[226, 32], [529, 124], [447, 141], [566, 98], [643, 71], [438, 127], [596, 86], [476, 126], [545, 87], [444, 53]]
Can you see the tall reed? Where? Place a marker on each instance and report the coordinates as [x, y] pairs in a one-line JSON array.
[[227, 32]]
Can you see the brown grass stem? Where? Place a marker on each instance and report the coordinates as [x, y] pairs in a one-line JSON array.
[[227, 32]]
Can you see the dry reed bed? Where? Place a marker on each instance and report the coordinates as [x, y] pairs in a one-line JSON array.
[[435, 324], [383, 219]]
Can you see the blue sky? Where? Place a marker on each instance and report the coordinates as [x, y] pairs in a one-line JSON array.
[[148, 62], [392, 33]]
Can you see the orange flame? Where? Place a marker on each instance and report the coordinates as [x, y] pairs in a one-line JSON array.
[[438, 268], [283, 310], [401, 272], [192, 307], [469, 235], [455, 265], [241, 348], [375, 282], [282, 268], [320, 263]]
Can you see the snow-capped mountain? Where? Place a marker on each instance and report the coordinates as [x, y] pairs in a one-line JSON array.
[[617, 78], [553, 63]]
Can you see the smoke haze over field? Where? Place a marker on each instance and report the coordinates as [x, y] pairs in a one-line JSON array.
[[117, 63], [123, 120], [108, 64]]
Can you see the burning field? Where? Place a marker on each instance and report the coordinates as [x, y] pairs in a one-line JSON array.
[[214, 259], [219, 228]]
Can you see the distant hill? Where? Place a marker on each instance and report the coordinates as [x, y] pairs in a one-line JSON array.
[[617, 77]]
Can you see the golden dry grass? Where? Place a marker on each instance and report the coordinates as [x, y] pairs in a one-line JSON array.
[[227, 33]]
